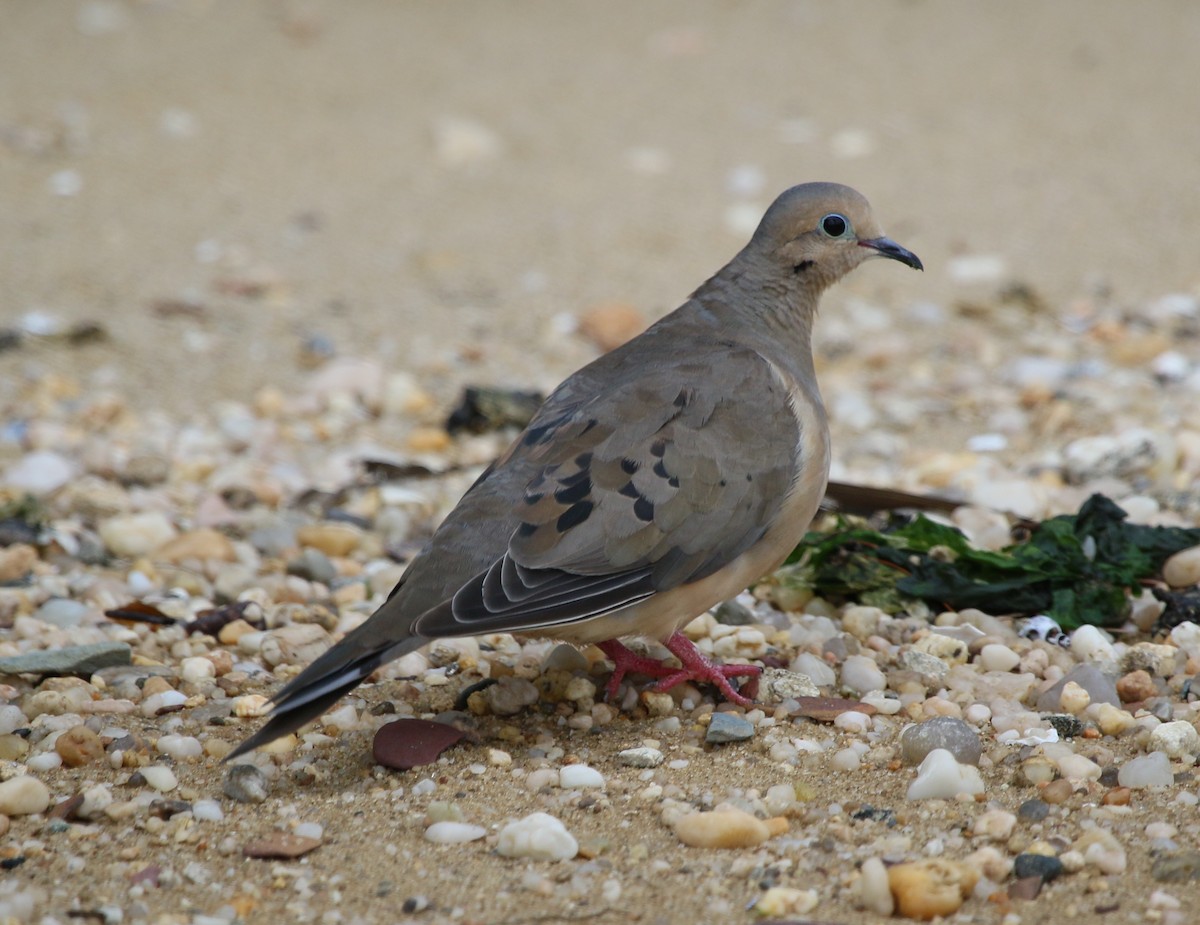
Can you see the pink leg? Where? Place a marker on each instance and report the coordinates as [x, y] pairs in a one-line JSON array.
[[695, 666]]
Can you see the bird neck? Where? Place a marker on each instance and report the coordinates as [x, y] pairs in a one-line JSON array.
[[770, 314]]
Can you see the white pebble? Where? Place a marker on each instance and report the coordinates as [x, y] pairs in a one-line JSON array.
[[995, 825], [997, 657], [133, 535], [344, 718], [23, 796], [861, 674], [580, 777], [845, 759], [39, 473], [852, 721], [207, 811], [422, 787], [181, 748], [874, 891], [1176, 739], [310, 830], [940, 777], [46, 761], [1078, 767], [155, 703], [11, 719], [454, 833], [539, 836], [977, 714], [160, 777], [1152, 770], [641, 757], [196, 669], [1091, 644]]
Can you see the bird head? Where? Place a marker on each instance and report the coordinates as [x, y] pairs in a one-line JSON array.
[[819, 232]]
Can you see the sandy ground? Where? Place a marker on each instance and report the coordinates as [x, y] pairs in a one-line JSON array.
[[221, 185]]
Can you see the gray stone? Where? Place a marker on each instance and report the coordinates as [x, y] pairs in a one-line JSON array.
[[955, 736], [245, 783], [1037, 865], [1176, 867], [1100, 687], [313, 565], [728, 727], [778, 684], [932, 669], [81, 661]]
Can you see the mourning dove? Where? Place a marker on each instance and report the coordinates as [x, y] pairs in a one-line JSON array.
[[654, 483]]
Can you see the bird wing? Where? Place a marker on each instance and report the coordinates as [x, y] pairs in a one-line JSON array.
[[662, 479]]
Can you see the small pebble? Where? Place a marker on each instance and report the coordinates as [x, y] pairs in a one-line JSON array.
[[580, 777], [1047, 867], [640, 757], [1152, 770], [23, 796], [940, 776], [930, 888], [538, 836], [245, 783], [78, 746], [454, 833], [1175, 739], [281, 845], [944, 732], [160, 777], [730, 828], [728, 727]]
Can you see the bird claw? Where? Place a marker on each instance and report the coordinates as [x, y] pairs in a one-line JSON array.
[[694, 666]]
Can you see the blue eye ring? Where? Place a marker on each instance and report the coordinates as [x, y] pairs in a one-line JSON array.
[[835, 225]]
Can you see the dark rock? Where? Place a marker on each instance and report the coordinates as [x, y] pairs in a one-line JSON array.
[[1045, 866], [1033, 811], [410, 743], [1066, 725]]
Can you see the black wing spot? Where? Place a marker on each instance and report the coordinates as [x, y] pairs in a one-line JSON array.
[[661, 471], [592, 422], [673, 481], [630, 466], [658, 448], [574, 492], [683, 399], [629, 491], [574, 516], [526, 530], [575, 478], [583, 460], [533, 497], [643, 510], [749, 477], [537, 434]]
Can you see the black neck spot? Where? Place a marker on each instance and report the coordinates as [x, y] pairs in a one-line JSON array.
[[802, 266]]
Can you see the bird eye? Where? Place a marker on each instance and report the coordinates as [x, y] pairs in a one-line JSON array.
[[835, 225]]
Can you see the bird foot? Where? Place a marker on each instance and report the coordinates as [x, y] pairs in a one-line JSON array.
[[694, 666]]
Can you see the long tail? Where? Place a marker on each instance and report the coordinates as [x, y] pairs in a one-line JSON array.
[[319, 686]]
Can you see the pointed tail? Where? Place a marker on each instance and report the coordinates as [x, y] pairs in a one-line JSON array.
[[319, 686]]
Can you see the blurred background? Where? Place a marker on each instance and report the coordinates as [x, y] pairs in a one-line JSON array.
[[201, 199]]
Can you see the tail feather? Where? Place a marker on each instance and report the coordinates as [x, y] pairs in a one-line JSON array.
[[319, 686]]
